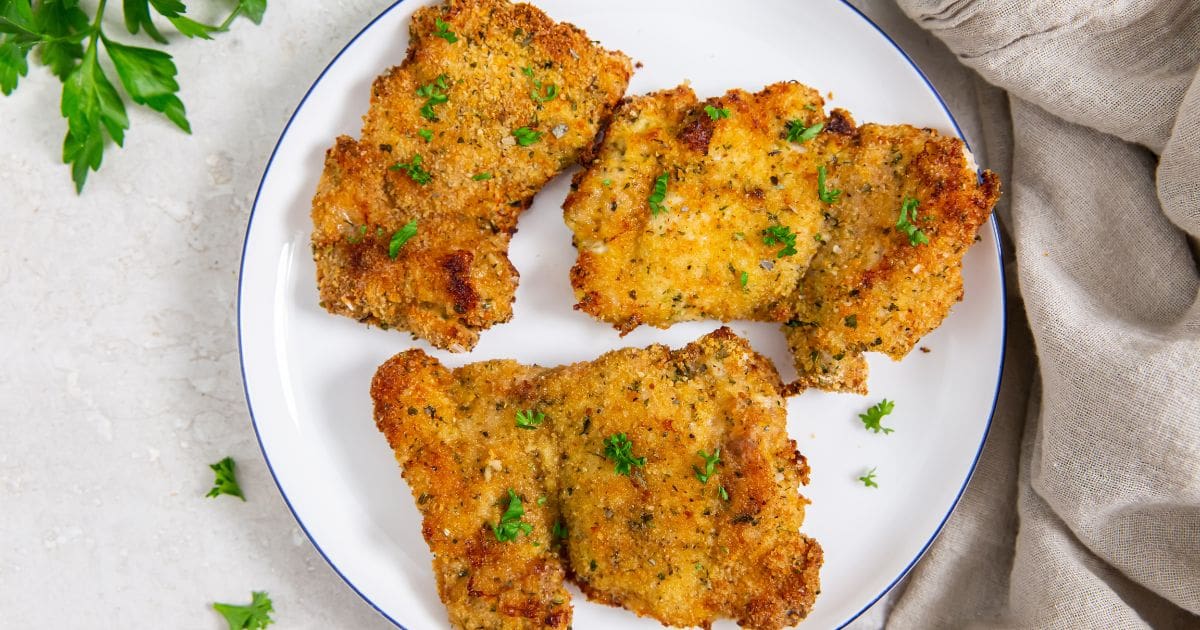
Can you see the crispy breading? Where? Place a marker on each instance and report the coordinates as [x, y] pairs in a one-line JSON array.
[[659, 541], [454, 279], [454, 436], [855, 281], [729, 180]]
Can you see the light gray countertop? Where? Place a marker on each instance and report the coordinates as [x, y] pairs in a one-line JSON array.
[[120, 381]]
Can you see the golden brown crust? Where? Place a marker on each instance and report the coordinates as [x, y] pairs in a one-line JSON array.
[[454, 279], [659, 542], [855, 283]]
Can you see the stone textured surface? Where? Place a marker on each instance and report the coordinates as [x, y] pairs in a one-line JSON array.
[[120, 380]]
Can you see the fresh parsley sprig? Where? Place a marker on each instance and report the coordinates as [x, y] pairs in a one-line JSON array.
[[530, 419], [658, 194], [255, 616], [69, 41], [443, 30], [226, 480], [908, 214], [827, 195], [868, 479], [619, 449], [874, 416], [510, 525], [781, 235]]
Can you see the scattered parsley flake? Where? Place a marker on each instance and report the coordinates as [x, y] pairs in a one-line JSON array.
[[716, 113], [358, 235], [530, 419], [434, 94], [721, 492], [541, 500], [874, 416], [427, 134], [619, 449], [414, 169], [658, 194], [851, 321], [559, 529], [797, 132], [526, 136], [481, 177], [868, 479], [780, 235], [710, 464], [828, 196], [745, 279], [908, 213], [255, 616], [606, 182], [401, 237], [226, 480], [443, 31], [510, 525], [810, 107]]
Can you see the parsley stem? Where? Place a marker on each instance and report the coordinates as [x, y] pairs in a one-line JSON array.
[[229, 20]]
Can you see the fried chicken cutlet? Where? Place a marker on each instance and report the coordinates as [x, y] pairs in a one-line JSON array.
[[670, 479], [411, 223], [772, 210]]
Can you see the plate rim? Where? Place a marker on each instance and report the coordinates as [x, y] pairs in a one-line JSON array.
[[903, 573]]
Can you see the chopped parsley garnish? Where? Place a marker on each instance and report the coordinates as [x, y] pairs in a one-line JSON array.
[[530, 419], [868, 479], [443, 31], [481, 177], [908, 213], [401, 237], [540, 93], [434, 94], [710, 464], [780, 235], [745, 279], [658, 194], [872, 418], [810, 107], [427, 134], [721, 492], [526, 136], [226, 480], [255, 616], [851, 321], [414, 169], [619, 449], [606, 181], [797, 132], [828, 196], [716, 113], [358, 236], [510, 525], [559, 530]]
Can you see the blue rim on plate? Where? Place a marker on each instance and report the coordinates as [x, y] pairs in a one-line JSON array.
[[317, 546]]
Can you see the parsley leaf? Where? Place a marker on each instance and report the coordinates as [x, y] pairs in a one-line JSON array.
[[434, 93], [874, 416], [619, 449], [658, 194], [745, 278], [13, 65], [851, 321], [510, 525], [904, 223], [559, 530], [710, 464], [427, 134], [797, 132], [526, 136], [724, 494], [530, 419], [828, 196], [868, 479], [256, 616], [415, 171], [443, 31], [401, 237], [93, 109], [481, 177], [540, 93], [780, 235], [716, 113], [226, 480], [149, 79]]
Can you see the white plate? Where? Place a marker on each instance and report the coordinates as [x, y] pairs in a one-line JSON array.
[[307, 373]]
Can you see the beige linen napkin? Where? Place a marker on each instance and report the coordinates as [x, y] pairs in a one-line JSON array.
[[1085, 510]]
